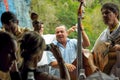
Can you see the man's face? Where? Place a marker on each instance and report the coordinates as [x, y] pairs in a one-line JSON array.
[[8, 55], [11, 27], [61, 34], [108, 16]]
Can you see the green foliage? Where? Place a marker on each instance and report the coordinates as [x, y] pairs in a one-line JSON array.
[[93, 23], [56, 12], [65, 16], [46, 12]]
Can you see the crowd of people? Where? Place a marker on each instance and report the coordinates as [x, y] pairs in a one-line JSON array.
[[22, 51]]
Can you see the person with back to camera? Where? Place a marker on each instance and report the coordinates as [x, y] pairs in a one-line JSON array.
[[8, 49], [32, 46]]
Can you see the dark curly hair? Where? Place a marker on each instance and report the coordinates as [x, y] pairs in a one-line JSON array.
[[8, 16], [112, 7], [6, 39], [34, 16]]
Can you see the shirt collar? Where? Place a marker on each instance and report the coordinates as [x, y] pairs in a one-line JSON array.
[[113, 29]]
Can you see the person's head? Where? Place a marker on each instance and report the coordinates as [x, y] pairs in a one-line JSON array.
[[8, 48], [61, 34], [9, 21], [32, 46], [110, 13], [34, 16], [38, 27]]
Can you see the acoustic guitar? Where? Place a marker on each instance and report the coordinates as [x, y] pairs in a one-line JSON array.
[[105, 61], [112, 58]]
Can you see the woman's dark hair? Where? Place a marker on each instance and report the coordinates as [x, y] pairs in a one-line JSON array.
[[8, 16], [6, 39], [112, 7], [31, 42]]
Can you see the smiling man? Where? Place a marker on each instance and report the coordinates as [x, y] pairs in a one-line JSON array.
[[67, 47]]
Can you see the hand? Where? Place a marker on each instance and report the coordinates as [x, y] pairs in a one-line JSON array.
[[72, 29], [115, 48], [14, 67], [70, 67], [94, 68]]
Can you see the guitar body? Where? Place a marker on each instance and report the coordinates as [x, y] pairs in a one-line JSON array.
[[106, 63], [103, 58], [112, 58], [88, 71]]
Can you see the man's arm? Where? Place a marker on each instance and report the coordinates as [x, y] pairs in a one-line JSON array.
[[72, 29], [85, 38], [86, 41], [54, 64], [70, 67]]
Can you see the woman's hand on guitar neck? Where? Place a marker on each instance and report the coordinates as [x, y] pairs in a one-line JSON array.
[[70, 67]]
